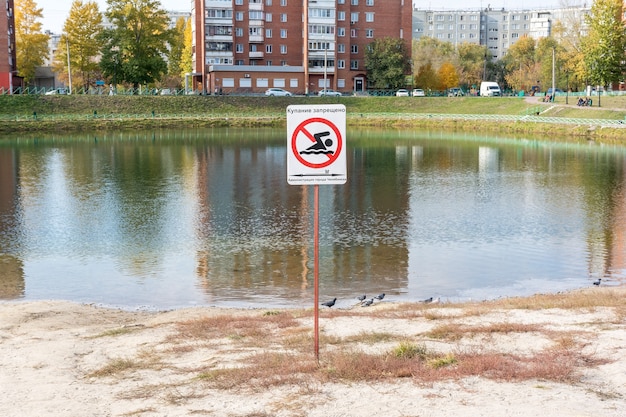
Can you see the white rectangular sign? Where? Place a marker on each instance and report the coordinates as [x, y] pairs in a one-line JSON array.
[[316, 144]]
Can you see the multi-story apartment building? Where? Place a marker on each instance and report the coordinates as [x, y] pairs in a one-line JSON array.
[[8, 66], [496, 29], [299, 45]]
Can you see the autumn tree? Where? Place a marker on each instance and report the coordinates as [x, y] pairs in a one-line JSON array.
[[521, 65], [471, 63], [447, 76], [426, 77], [133, 50], [174, 57], [80, 32], [31, 44], [186, 64], [604, 44], [568, 33], [387, 62]]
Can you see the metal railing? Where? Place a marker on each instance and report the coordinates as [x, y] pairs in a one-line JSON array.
[[531, 116]]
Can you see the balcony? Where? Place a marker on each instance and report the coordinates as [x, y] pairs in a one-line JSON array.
[[255, 38], [255, 55]]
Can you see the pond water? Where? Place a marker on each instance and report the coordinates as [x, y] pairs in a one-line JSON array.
[[171, 219]]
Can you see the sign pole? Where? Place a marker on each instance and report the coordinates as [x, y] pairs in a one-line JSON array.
[[316, 155], [316, 249]]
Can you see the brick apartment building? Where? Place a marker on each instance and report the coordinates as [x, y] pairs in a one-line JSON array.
[[247, 46], [8, 66]]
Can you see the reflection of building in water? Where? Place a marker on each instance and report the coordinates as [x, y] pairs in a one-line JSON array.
[[257, 236], [617, 251], [11, 268]]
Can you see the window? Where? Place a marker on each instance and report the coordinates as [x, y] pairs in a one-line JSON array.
[[283, 2], [283, 33], [239, 2], [239, 32], [354, 49], [268, 33], [239, 48], [268, 49], [341, 48], [369, 2], [369, 16], [354, 2], [354, 64], [283, 17], [239, 16], [369, 33], [283, 49], [341, 1], [268, 17], [268, 2], [354, 17], [268, 63], [341, 32], [341, 16], [353, 33], [262, 82], [341, 64]]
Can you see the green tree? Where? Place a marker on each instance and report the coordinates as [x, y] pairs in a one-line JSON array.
[[80, 32], [604, 44], [31, 44], [133, 49], [387, 62]]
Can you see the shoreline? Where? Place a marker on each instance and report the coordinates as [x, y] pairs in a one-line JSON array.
[[557, 355]]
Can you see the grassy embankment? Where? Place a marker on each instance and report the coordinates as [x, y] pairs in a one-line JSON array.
[[75, 113]]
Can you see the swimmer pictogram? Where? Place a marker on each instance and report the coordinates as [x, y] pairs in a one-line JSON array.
[[319, 147], [316, 144]]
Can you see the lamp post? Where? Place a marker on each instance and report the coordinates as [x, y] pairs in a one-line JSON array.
[[566, 86]]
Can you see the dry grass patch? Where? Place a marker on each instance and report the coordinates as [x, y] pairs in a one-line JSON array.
[[457, 331], [250, 327]]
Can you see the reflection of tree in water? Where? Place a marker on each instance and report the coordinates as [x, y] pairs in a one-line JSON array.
[[12, 283]]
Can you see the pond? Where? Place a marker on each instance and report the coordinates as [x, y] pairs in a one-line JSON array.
[[178, 218]]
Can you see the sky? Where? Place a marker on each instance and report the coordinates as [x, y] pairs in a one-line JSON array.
[[55, 12]]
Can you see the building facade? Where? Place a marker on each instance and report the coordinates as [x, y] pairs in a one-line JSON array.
[[247, 46], [8, 65], [495, 29]]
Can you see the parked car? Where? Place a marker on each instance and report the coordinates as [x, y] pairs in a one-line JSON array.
[[455, 92], [278, 92], [56, 91], [329, 92], [166, 92], [418, 92], [490, 89], [402, 93]]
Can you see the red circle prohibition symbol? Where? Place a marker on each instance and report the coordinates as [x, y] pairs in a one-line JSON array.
[[302, 129]]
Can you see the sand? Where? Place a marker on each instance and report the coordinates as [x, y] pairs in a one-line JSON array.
[[51, 353]]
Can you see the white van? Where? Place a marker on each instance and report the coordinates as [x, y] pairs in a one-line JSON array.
[[490, 89]]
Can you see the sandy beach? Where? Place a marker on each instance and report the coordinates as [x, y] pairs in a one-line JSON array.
[[546, 355]]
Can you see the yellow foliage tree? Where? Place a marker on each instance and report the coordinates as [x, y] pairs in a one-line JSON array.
[[79, 32], [30, 43], [448, 76]]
